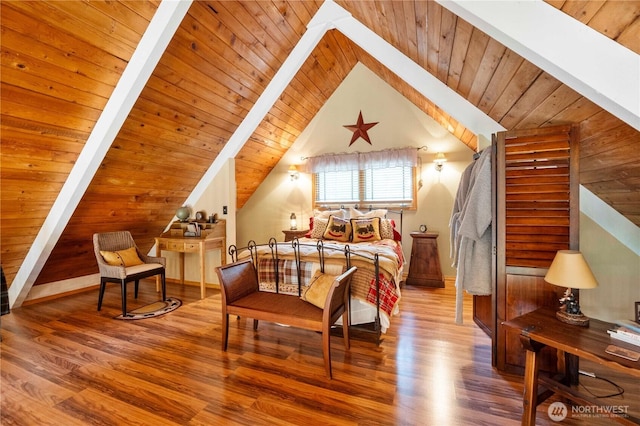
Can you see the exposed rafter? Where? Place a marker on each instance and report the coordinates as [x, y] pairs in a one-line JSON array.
[[593, 65]]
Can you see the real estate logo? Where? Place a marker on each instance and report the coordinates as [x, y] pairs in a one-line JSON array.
[[557, 411]]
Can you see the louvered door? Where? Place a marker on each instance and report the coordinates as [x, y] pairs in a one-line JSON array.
[[536, 214]]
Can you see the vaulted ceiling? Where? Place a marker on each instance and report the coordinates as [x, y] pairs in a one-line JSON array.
[[62, 60]]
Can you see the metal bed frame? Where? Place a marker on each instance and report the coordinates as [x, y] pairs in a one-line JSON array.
[[370, 331]]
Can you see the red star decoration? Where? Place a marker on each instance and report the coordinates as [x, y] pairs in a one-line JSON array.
[[360, 130]]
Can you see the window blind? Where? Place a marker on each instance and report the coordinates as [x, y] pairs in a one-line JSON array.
[[389, 187]]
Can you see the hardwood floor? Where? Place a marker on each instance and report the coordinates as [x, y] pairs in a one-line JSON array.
[[64, 363]]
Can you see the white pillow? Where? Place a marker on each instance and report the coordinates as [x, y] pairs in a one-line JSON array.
[[355, 214], [324, 214]]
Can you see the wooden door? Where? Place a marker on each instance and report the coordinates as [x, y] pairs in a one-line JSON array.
[[536, 214]]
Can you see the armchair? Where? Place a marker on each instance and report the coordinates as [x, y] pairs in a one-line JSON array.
[[123, 266]]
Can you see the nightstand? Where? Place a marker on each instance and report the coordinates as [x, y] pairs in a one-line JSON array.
[[290, 234], [424, 266]]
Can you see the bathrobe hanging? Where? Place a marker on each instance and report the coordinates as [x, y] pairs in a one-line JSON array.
[[471, 231]]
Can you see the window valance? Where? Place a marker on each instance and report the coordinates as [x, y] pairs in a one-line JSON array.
[[403, 157]]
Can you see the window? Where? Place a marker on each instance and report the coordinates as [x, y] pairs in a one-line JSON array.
[[383, 178], [391, 187]]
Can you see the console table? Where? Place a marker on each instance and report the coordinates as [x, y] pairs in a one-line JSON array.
[[540, 328], [212, 237]]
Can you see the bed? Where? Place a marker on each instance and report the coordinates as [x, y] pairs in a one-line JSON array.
[[339, 239]]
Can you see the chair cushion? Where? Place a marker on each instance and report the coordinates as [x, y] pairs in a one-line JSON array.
[[318, 289], [127, 257], [136, 269]]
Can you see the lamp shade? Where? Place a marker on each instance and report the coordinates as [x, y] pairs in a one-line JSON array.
[[293, 172], [570, 269], [440, 158]]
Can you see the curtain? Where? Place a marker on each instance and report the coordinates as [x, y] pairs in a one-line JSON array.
[[407, 157], [332, 163]]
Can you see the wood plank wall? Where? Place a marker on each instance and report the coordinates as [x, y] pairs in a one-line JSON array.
[[61, 61]]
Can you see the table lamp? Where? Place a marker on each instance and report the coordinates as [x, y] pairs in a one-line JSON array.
[[569, 269], [293, 222]]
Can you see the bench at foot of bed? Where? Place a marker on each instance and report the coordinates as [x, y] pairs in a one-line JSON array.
[[241, 296]]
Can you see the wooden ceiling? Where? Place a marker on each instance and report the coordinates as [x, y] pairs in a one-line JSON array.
[[62, 60]]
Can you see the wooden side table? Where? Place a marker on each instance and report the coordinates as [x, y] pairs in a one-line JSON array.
[[424, 265], [212, 238], [540, 328], [290, 234]]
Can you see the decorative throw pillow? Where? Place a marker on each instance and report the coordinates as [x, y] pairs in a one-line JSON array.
[[319, 226], [318, 289], [127, 257], [338, 229], [386, 229], [366, 230]]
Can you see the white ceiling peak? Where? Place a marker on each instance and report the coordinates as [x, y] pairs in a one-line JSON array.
[[419, 78], [332, 16]]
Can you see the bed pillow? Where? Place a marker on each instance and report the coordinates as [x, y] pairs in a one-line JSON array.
[[319, 226], [324, 214], [338, 229], [355, 214], [318, 289], [396, 235], [366, 230], [386, 229], [127, 257]]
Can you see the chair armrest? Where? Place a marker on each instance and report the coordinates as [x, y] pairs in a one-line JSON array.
[[111, 271], [152, 259], [237, 280]]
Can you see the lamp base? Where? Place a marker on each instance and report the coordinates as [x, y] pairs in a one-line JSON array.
[[573, 319]]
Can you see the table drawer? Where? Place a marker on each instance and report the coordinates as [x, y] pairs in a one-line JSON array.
[[173, 246], [191, 247]]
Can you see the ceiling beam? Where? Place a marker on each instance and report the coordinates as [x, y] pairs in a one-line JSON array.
[[157, 36], [592, 64]]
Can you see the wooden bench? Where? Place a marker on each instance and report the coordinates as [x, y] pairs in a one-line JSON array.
[[241, 296]]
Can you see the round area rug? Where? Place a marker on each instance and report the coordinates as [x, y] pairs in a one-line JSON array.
[[152, 310]]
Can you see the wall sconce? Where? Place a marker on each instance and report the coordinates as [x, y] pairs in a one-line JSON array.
[[293, 173], [440, 160], [293, 222]]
